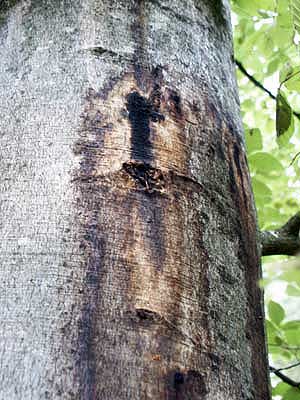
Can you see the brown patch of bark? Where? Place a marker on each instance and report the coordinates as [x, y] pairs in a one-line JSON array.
[[140, 240]]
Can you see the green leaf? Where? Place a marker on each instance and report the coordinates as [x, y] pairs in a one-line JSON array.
[[291, 325], [292, 275], [283, 30], [253, 140], [283, 114], [292, 394], [261, 190], [278, 340], [295, 8], [276, 312], [286, 71], [271, 328], [292, 337], [284, 140], [265, 163], [293, 81], [293, 290], [280, 389], [273, 66], [252, 7]]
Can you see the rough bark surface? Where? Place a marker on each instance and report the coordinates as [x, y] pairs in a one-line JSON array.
[[129, 262]]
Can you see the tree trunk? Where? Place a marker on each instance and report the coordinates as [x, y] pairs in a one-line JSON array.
[[129, 261]]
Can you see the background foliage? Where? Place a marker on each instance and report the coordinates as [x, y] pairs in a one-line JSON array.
[[266, 35]]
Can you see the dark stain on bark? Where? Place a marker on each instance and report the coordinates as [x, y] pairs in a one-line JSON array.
[[248, 254], [144, 318], [93, 246], [143, 194], [139, 116], [141, 112], [176, 107], [138, 29], [185, 385]]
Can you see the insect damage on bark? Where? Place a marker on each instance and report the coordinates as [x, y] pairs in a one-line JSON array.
[[145, 176]]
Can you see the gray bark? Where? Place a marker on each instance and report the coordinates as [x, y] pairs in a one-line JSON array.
[[129, 261]]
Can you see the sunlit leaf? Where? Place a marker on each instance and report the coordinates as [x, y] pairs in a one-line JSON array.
[[295, 9], [253, 140], [265, 163], [252, 7], [276, 312], [291, 325], [286, 72], [292, 394], [280, 389], [261, 189], [292, 275], [293, 81], [293, 290]]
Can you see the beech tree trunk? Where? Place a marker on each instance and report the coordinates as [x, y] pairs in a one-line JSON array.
[[129, 260]]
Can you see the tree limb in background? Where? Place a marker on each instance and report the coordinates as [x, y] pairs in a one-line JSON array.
[[259, 85], [282, 241], [285, 378]]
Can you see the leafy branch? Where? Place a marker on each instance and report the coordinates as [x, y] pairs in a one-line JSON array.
[[262, 87]]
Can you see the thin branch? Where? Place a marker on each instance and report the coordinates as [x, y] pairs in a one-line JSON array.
[[289, 367], [294, 158], [259, 85], [285, 378], [254, 80], [282, 241]]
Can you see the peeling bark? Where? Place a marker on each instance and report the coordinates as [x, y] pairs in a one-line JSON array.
[[129, 253]]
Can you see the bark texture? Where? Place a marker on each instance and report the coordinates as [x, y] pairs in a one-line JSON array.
[[129, 262]]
